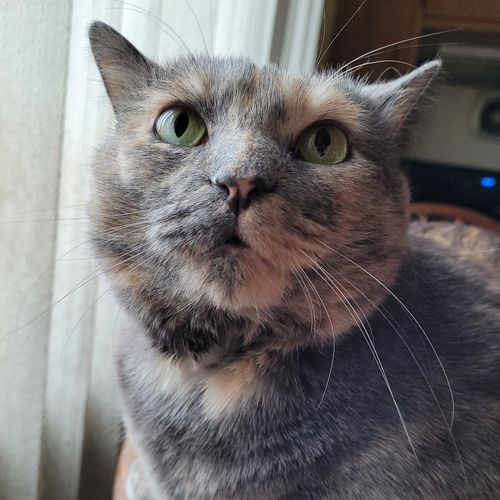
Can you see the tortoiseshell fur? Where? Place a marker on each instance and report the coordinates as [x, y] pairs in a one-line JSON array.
[[292, 368]]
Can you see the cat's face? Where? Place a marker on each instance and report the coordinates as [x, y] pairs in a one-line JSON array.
[[233, 219]]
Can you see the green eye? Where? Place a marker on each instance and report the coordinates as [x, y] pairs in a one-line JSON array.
[[324, 144], [180, 126]]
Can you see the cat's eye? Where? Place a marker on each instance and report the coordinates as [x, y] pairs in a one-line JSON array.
[[323, 143], [180, 126]]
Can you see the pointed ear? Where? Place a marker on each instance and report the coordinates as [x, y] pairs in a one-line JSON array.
[[123, 68], [399, 99]]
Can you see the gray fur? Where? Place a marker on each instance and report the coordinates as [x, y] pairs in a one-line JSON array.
[[226, 372]]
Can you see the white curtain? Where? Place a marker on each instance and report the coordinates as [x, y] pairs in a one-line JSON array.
[[59, 418]]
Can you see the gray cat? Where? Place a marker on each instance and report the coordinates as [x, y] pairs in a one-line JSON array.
[[287, 339]]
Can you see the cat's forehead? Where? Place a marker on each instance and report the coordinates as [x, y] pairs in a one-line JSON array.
[[238, 90]]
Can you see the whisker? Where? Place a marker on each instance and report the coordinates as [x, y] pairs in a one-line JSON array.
[[161, 24], [340, 32], [88, 279], [411, 315], [19, 221], [320, 51], [382, 310], [330, 371], [394, 44], [370, 344], [379, 61], [60, 258], [113, 333], [211, 27], [411, 46], [198, 24], [307, 294], [97, 300], [40, 276]]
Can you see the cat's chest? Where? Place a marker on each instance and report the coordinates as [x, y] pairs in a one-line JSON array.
[[185, 395], [202, 427]]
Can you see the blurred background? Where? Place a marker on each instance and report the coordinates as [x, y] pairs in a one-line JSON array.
[[60, 429]]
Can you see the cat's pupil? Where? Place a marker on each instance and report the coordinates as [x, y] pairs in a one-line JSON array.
[[181, 124], [322, 141]]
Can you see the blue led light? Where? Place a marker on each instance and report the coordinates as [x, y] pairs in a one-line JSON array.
[[488, 182]]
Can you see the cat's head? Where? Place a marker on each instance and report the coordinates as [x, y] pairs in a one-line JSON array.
[[232, 188]]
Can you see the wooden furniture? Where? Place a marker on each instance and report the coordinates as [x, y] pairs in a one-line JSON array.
[[444, 212], [126, 459], [379, 23], [479, 15]]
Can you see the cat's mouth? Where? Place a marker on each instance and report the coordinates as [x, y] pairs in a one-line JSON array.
[[235, 245], [243, 279]]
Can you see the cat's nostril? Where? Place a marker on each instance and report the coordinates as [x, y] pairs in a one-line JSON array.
[[240, 190], [237, 190]]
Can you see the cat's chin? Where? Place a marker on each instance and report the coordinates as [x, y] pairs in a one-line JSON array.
[[255, 283], [236, 278]]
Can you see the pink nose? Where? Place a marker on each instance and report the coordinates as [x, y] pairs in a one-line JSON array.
[[238, 190], [241, 188]]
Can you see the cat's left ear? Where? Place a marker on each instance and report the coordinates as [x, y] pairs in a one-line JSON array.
[[397, 100], [123, 68]]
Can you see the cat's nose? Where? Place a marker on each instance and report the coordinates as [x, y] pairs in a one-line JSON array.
[[239, 189]]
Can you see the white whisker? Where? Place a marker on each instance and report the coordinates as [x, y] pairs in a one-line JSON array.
[[330, 371], [370, 344], [411, 315]]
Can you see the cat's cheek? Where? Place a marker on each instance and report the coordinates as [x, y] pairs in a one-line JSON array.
[[125, 172]]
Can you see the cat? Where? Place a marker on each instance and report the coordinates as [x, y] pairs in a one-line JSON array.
[[287, 338]]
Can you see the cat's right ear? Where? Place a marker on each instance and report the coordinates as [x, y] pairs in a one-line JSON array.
[[123, 68]]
